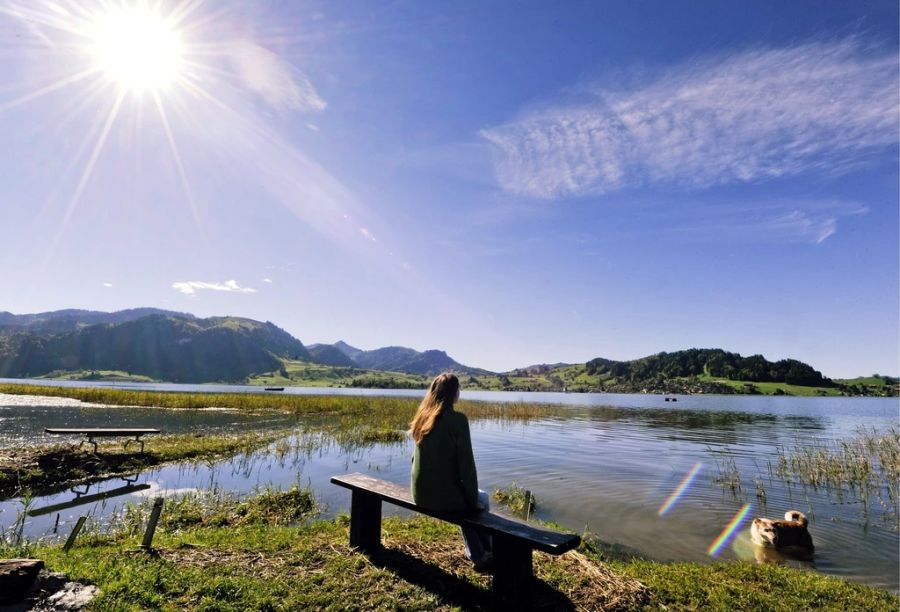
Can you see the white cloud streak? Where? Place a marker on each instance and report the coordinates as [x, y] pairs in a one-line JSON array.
[[772, 221], [192, 287], [752, 116]]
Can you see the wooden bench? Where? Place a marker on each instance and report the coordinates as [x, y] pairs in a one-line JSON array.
[[513, 541], [97, 432]]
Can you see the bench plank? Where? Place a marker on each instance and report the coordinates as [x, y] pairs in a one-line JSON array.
[[545, 540]]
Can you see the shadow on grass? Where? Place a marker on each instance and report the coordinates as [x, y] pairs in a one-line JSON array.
[[455, 590]]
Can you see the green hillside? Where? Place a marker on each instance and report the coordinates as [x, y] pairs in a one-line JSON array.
[[156, 346], [149, 344]]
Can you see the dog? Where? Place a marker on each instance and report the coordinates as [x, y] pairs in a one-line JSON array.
[[790, 536]]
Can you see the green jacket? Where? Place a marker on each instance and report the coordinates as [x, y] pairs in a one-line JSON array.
[[443, 467]]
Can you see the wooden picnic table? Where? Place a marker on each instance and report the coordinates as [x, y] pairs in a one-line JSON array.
[[105, 432]]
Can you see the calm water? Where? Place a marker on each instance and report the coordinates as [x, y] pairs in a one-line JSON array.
[[606, 467]]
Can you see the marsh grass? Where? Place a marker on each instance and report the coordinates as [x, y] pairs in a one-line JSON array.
[[519, 501], [868, 459], [352, 422], [866, 466], [728, 475], [379, 412]]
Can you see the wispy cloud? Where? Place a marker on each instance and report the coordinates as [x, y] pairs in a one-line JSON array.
[[750, 116], [107, 285], [192, 287], [771, 221], [273, 79]]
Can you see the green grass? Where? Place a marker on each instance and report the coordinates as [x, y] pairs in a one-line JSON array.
[[868, 381], [104, 375], [305, 374], [744, 586], [263, 553], [772, 388]]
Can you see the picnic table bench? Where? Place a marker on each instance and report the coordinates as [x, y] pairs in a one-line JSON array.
[[100, 432], [513, 541]]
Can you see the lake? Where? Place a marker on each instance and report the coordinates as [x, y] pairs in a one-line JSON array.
[[605, 467]]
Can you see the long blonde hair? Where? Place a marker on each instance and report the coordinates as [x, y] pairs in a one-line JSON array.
[[441, 395]]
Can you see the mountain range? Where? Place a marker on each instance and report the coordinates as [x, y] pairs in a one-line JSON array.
[[180, 347]]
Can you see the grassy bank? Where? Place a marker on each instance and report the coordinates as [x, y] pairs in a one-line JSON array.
[[44, 469], [353, 411], [268, 553]]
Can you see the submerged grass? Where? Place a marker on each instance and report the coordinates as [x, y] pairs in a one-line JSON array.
[[264, 553], [517, 500]]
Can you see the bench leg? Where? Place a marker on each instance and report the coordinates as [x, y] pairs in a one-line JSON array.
[[365, 522], [513, 573], [136, 439]]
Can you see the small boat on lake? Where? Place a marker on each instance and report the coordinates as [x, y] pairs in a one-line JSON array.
[[274, 388]]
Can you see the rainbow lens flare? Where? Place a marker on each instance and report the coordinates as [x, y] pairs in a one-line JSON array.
[[716, 547], [680, 489]]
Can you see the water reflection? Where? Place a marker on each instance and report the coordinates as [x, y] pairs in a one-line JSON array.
[[82, 496]]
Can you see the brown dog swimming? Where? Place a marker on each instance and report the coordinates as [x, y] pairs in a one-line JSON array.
[[790, 535]]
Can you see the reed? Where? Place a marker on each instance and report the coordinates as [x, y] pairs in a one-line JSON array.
[[727, 472], [381, 411], [869, 459]]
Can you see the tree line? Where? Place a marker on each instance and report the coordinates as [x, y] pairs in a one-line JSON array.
[[717, 363]]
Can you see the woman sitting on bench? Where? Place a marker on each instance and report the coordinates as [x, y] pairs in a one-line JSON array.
[[443, 466]]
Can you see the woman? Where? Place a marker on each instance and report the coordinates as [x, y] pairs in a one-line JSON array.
[[443, 470]]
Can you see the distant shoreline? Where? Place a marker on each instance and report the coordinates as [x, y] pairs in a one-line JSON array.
[[672, 387]]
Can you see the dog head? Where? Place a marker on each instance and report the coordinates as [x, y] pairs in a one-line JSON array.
[[763, 532]]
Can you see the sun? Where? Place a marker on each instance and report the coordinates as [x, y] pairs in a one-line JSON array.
[[136, 48]]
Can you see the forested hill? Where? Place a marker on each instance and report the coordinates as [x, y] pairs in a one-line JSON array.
[[715, 363], [59, 321], [170, 347]]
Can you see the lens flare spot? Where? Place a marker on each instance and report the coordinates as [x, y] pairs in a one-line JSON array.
[[680, 489], [716, 547]]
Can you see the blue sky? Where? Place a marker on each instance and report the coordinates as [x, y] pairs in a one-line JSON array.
[[514, 183]]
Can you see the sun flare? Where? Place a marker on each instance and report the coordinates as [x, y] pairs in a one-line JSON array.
[[136, 48]]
